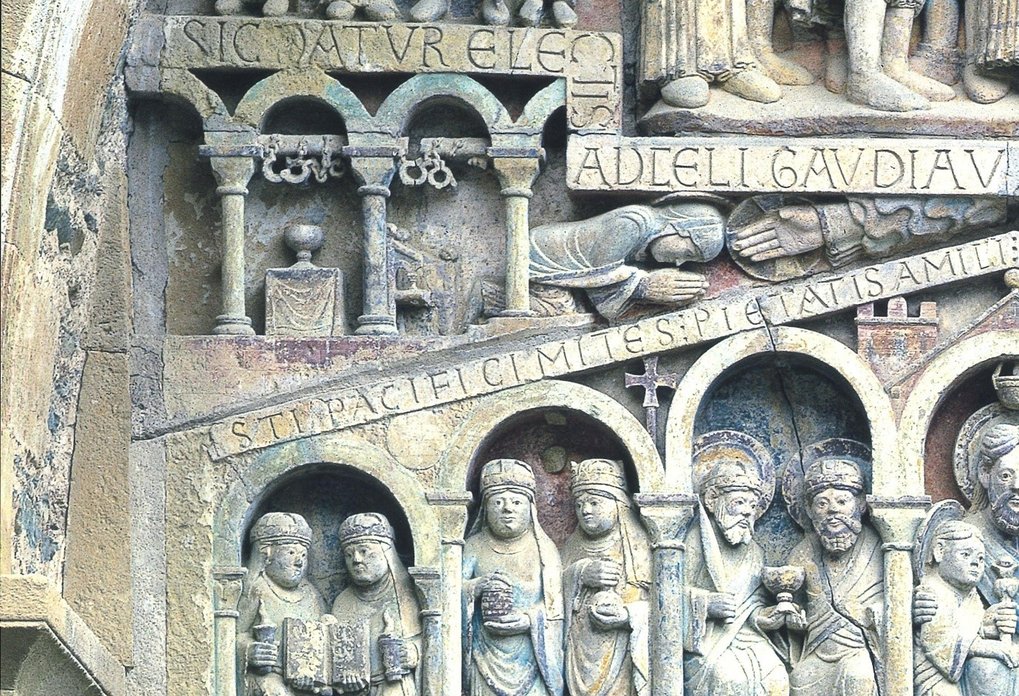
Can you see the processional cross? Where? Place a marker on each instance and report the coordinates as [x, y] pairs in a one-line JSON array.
[[651, 381]]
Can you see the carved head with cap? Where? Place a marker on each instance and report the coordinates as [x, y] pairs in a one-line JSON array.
[[731, 492], [282, 538], [367, 543], [834, 491], [507, 497]]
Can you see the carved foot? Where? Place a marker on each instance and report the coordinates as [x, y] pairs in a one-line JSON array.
[[937, 62], [339, 10], [381, 11], [530, 13], [686, 92], [495, 13], [563, 15], [275, 8], [429, 10], [981, 88], [922, 85], [753, 85], [229, 7], [878, 91], [836, 66], [782, 71]]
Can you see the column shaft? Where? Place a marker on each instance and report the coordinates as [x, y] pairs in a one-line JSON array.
[[232, 175], [379, 315], [517, 175]]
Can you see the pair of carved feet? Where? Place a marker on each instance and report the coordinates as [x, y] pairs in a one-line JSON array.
[[530, 13], [691, 92], [374, 10]]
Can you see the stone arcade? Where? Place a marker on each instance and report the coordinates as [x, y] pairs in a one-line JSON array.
[[531, 348]]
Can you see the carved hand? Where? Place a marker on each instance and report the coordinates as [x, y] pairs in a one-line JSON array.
[[770, 619], [671, 286], [510, 625], [925, 606], [996, 651], [262, 654], [351, 682], [783, 232], [610, 621], [797, 621], [721, 605], [601, 574], [490, 580], [1004, 617]]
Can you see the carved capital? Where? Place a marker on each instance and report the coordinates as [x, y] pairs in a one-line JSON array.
[[451, 508], [374, 172], [897, 518], [516, 174], [428, 585], [229, 584], [667, 516], [232, 174]]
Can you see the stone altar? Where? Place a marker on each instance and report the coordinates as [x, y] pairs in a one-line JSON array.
[[648, 349]]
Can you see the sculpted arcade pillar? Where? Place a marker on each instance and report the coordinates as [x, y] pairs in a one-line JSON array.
[[452, 512], [667, 517], [229, 584], [896, 520], [374, 169], [428, 583], [517, 169], [232, 176]]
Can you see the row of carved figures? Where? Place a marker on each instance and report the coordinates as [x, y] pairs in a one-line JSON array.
[[528, 13], [538, 621]]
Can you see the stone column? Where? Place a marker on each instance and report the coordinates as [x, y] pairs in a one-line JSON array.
[[232, 176], [517, 169], [896, 520], [229, 583], [452, 510], [428, 583], [374, 169], [667, 517]]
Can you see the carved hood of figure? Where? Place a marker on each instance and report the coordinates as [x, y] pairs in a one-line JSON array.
[[523, 655], [381, 594], [602, 660]]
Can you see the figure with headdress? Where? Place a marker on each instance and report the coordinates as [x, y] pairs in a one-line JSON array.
[[729, 650], [276, 589], [381, 595], [606, 580], [949, 562], [844, 582], [512, 591], [598, 255]]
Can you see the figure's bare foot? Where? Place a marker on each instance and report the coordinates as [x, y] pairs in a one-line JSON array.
[[981, 88], [783, 232], [671, 286], [753, 85]]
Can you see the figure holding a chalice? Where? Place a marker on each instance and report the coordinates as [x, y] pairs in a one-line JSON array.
[[512, 591]]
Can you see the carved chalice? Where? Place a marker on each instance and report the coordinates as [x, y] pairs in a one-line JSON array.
[[1007, 585], [783, 581]]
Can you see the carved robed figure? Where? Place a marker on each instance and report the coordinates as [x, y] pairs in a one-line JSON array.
[[606, 581], [512, 591]]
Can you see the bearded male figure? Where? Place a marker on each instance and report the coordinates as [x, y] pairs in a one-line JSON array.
[[276, 589], [729, 653], [381, 595], [606, 579], [844, 585], [512, 591]]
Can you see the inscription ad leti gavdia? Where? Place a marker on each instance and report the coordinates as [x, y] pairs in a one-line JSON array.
[[709, 320]]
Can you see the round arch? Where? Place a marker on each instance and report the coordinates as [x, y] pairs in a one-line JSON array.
[[487, 415], [542, 105], [314, 84], [399, 107], [269, 465], [942, 374], [721, 358]]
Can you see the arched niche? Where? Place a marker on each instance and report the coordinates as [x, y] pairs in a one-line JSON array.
[[276, 475], [833, 364], [261, 99], [421, 91], [941, 391], [586, 422]]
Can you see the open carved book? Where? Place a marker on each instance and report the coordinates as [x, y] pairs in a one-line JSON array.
[[326, 652]]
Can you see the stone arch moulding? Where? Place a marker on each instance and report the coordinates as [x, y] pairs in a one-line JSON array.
[[721, 358], [315, 84], [406, 100], [268, 466], [938, 379], [492, 411]]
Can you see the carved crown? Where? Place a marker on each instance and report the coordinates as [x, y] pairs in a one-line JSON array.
[[506, 474], [833, 473], [732, 476], [367, 526], [597, 474], [281, 527]]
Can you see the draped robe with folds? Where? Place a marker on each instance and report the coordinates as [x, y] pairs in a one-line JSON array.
[[844, 609], [608, 663], [942, 645], [735, 658], [528, 664]]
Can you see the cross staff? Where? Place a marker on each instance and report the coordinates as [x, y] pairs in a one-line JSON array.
[[651, 381]]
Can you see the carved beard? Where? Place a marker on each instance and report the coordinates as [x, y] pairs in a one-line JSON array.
[[838, 532], [735, 528], [1005, 518]]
